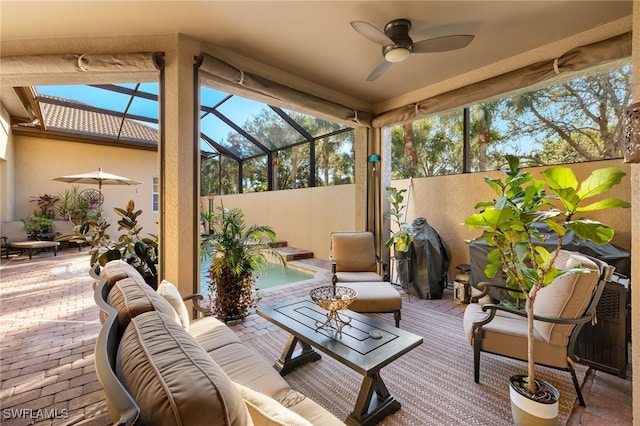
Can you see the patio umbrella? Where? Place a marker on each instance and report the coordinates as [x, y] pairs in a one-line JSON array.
[[98, 178]]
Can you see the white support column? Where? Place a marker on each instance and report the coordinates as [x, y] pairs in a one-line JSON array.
[[179, 167]]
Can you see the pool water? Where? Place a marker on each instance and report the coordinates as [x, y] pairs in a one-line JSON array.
[[273, 275]]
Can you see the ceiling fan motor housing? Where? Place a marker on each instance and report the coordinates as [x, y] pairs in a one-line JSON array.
[[398, 31]]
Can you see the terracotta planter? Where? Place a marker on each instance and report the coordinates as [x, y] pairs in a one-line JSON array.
[[540, 409]]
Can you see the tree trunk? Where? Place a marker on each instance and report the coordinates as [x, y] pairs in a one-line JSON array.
[[409, 152], [531, 360]]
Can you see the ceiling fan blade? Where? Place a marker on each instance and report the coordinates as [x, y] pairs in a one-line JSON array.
[[371, 32], [442, 44], [377, 72]]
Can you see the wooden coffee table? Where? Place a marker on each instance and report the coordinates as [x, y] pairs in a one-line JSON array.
[[354, 347]]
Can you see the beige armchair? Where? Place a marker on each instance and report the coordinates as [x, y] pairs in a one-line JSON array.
[[353, 257], [355, 265], [560, 309]]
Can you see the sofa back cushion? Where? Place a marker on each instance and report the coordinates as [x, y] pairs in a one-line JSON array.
[[116, 270], [567, 297], [172, 379], [132, 297]]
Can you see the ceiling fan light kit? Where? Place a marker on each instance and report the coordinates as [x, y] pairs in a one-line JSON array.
[[396, 54], [397, 46]]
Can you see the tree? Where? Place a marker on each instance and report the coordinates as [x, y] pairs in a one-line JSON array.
[[436, 142], [577, 120]]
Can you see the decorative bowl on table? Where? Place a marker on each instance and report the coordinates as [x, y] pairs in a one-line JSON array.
[[333, 299]]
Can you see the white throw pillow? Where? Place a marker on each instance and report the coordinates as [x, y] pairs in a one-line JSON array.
[[172, 295], [266, 411]]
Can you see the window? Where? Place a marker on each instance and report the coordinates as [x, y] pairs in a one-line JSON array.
[[247, 146], [155, 194], [573, 120]]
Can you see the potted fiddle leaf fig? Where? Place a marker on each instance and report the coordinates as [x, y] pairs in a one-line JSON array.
[[238, 254], [508, 224], [402, 236]]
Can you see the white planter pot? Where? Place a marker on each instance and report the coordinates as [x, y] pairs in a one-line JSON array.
[[528, 411]]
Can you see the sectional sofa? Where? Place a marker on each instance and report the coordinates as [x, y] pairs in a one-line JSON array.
[[158, 367]]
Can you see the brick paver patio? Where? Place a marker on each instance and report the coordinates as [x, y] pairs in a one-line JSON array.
[[49, 323]]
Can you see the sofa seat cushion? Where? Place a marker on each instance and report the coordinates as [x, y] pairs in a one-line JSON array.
[[266, 411], [247, 368], [173, 380], [212, 334], [131, 297]]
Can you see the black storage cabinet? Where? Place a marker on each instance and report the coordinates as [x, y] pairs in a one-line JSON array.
[[604, 346]]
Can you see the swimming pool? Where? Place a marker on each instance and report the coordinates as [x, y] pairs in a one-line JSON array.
[[273, 275]]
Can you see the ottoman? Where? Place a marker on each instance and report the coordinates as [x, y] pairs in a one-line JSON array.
[[375, 296]]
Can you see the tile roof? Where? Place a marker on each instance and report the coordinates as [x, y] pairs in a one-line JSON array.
[[85, 122]]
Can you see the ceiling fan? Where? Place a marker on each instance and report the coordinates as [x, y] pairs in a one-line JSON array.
[[398, 46]]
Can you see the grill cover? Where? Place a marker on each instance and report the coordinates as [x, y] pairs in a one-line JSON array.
[[429, 264]]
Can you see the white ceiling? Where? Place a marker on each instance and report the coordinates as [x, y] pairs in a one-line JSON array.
[[313, 39]]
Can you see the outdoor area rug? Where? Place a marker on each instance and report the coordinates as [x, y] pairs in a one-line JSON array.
[[434, 382]]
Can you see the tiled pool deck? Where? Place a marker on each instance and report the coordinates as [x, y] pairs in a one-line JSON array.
[[49, 323]]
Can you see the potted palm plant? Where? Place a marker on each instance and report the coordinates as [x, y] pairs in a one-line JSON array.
[[238, 253], [507, 224], [402, 236]]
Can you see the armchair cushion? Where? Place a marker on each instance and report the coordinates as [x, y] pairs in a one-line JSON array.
[[374, 297], [353, 251], [567, 297], [506, 334]]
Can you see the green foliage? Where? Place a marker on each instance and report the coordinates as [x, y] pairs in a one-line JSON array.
[[46, 205], [401, 238], [568, 122], [139, 252], [72, 206], [237, 253], [507, 224], [38, 224]]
